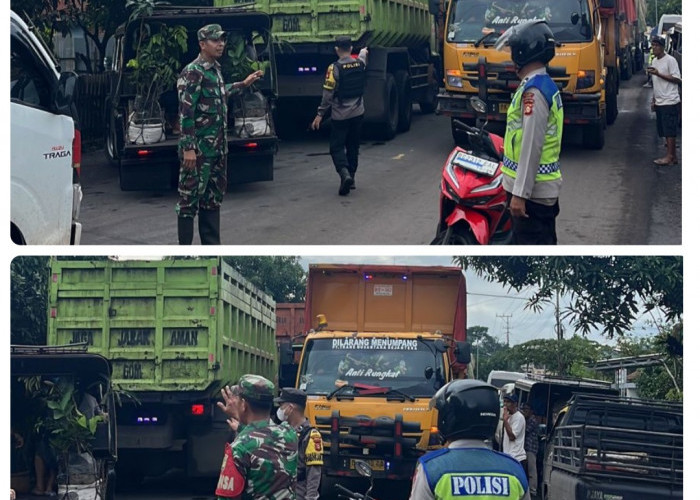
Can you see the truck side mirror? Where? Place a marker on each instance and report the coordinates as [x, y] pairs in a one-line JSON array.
[[434, 7], [428, 372], [574, 18], [463, 353], [64, 92]]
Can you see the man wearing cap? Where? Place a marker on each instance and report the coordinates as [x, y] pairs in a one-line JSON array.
[[292, 403], [203, 146], [514, 430], [342, 94], [666, 77], [261, 463]]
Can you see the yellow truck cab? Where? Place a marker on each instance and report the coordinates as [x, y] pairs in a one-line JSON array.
[[388, 338], [472, 65]]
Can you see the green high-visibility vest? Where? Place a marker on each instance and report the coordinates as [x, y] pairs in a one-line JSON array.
[[512, 144]]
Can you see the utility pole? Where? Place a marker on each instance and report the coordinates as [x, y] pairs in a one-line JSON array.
[[560, 333], [507, 317]]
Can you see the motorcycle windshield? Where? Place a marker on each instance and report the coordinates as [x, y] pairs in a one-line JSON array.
[[470, 21], [379, 362]]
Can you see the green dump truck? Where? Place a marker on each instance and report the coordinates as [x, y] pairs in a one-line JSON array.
[[175, 331], [402, 57]]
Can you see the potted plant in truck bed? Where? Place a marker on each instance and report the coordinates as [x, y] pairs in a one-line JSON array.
[[154, 69], [248, 110]]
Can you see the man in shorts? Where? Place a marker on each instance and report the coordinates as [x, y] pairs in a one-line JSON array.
[[666, 78]]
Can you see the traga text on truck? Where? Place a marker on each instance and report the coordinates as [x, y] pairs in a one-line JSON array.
[[385, 339], [175, 331]]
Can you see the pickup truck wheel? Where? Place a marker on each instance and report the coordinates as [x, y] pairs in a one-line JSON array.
[[403, 83]]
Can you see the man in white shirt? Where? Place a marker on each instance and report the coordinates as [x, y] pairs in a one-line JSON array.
[[666, 77], [514, 427]]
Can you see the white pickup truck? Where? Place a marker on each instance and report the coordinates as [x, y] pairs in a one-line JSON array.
[[45, 144]]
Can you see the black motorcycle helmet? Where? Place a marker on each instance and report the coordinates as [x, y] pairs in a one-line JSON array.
[[528, 42], [467, 409]]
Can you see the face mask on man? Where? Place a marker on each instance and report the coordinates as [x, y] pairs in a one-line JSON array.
[[281, 415]]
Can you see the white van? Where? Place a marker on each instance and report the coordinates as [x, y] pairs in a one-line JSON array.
[[666, 22], [45, 144]]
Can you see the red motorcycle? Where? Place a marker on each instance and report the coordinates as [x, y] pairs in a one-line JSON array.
[[473, 203]]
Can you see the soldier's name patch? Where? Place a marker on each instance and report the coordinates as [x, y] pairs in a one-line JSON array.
[[468, 485]]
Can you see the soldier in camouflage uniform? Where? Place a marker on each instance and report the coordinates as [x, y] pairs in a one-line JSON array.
[[292, 404], [261, 463], [203, 146]]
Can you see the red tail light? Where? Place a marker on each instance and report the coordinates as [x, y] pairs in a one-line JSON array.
[[250, 145], [77, 154], [197, 410]]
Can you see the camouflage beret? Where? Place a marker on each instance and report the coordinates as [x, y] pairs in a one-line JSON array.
[[210, 32], [255, 387]]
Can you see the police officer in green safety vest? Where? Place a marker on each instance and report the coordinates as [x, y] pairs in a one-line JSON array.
[[468, 413], [532, 176]]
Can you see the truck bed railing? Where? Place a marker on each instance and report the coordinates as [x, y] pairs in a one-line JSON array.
[[614, 452]]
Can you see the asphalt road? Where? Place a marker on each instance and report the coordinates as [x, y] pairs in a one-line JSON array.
[[616, 196]]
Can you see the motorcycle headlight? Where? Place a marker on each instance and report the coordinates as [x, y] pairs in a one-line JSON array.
[[491, 185]]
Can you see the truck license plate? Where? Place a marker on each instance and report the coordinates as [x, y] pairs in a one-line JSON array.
[[377, 465], [503, 107]]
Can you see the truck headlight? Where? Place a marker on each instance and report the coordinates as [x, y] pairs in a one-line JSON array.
[[454, 81], [585, 79]]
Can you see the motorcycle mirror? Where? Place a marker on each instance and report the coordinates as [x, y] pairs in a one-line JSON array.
[[478, 105], [363, 468]]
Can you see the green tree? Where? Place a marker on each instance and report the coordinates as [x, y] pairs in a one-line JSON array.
[[282, 277], [489, 353], [29, 278], [566, 357], [661, 7], [606, 292]]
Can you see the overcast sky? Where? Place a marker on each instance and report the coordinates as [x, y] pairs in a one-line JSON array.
[[488, 302]]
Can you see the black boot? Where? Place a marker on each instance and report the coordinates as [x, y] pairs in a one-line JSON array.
[[345, 182], [209, 224], [185, 230], [352, 184]]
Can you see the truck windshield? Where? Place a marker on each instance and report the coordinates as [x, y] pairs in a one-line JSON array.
[[470, 20], [391, 363]]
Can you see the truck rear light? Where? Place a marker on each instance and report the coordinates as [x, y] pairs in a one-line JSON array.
[[146, 420], [53, 312], [143, 152], [250, 145], [77, 154], [197, 409]]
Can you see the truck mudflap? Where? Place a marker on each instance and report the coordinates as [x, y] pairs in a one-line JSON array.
[[495, 84], [388, 444]]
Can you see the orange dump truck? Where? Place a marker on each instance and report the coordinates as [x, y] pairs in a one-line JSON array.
[[384, 340]]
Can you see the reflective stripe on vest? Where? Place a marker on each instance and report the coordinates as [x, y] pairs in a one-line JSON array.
[[479, 472], [551, 148]]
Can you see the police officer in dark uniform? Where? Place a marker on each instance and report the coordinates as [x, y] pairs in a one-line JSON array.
[[342, 93], [292, 404], [467, 416]]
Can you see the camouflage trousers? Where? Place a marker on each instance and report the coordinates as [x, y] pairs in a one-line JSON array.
[[203, 187]]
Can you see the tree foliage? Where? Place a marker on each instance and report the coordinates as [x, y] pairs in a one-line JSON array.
[[663, 7], [282, 277], [29, 278], [606, 292]]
